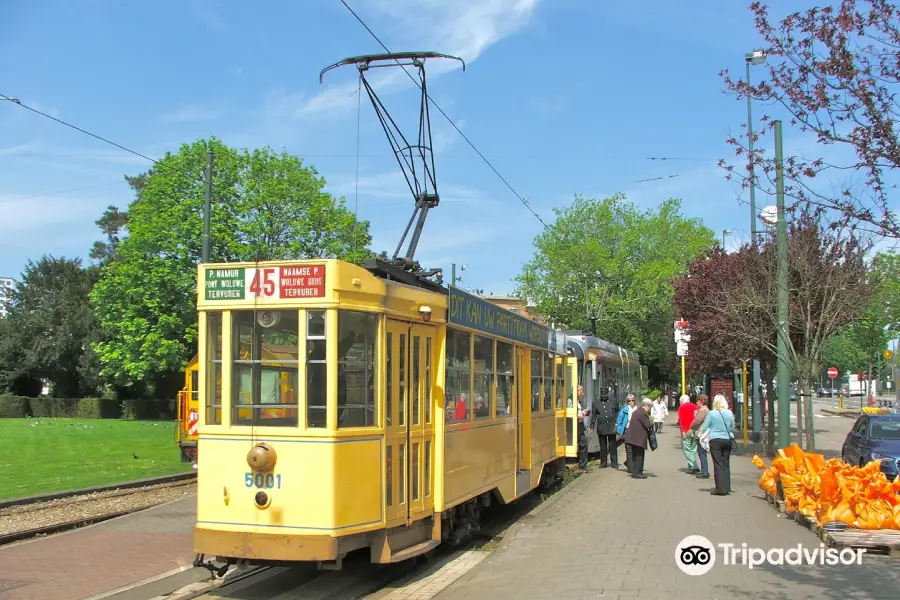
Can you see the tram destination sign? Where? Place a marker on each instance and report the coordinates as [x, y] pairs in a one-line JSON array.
[[475, 313], [288, 282]]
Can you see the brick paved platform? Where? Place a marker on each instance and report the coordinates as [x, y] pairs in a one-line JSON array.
[[610, 536], [100, 558]]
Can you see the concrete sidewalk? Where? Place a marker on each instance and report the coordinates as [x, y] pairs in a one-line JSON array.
[[610, 536], [100, 558]]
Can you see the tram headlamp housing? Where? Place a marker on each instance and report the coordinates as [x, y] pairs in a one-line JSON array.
[[262, 499], [425, 311]]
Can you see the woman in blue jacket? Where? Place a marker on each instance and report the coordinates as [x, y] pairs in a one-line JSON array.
[[720, 423], [622, 420]]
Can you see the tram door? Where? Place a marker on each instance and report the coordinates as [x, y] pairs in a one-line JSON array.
[[523, 409], [409, 422]]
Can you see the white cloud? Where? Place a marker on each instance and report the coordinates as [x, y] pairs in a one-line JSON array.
[[18, 149], [464, 28], [189, 114]]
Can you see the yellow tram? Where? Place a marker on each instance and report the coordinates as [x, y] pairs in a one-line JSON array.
[[188, 410], [408, 410]]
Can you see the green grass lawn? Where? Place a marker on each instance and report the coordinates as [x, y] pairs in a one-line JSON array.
[[57, 455]]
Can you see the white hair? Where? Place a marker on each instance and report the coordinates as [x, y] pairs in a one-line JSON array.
[[684, 399], [720, 403], [646, 402]]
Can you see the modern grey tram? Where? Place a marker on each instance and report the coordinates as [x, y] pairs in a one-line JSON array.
[[599, 366]]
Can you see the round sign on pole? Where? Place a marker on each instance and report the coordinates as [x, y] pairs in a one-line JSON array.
[[832, 372], [888, 355]]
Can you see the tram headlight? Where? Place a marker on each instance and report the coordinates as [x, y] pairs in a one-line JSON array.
[[425, 311], [262, 499], [262, 457]]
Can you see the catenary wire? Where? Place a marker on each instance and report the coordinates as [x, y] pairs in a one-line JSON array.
[[449, 120], [84, 131]]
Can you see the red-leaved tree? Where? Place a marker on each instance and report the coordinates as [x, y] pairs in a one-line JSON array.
[[835, 69], [730, 300]]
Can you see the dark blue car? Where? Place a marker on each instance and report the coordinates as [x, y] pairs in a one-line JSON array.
[[874, 437]]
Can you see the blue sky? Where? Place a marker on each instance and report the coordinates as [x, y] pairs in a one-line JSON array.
[[562, 96]]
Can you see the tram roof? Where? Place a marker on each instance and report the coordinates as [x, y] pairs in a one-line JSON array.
[[582, 343]]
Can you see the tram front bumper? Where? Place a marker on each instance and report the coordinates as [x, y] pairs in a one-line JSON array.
[[264, 546]]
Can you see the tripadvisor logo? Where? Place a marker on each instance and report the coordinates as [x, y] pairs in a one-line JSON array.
[[696, 555]]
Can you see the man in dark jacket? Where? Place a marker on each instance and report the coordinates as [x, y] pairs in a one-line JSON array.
[[636, 436], [604, 421]]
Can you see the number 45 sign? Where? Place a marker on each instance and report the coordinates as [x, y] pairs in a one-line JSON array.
[[295, 281]]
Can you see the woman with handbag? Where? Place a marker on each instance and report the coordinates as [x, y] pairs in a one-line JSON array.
[[720, 423]]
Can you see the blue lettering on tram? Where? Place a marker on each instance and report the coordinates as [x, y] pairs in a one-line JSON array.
[[473, 312], [262, 480]]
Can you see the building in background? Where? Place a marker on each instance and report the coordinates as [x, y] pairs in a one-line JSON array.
[[515, 305], [6, 286]]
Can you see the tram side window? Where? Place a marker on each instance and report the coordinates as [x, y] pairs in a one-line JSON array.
[[536, 381], [459, 367], [357, 335], [504, 378], [316, 369], [484, 373], [548, 381], [265, 367], [214, 368]]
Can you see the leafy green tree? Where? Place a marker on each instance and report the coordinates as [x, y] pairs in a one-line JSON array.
[[606, 259], [112, 223], [266, 206], [860, 345], [45, 333]]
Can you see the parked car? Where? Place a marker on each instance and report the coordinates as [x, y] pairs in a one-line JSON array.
[[874, 437], [826, 392]]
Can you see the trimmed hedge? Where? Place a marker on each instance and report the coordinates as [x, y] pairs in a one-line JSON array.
[[12, 407]]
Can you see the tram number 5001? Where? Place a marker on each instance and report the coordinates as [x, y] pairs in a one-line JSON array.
[[262, 480]]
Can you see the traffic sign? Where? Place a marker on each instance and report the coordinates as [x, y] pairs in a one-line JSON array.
[[832, 372]]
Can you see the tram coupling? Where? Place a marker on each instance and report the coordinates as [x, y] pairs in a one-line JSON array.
[[214, 571]]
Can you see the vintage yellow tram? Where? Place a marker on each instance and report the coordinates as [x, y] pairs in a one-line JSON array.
[[343, 411]]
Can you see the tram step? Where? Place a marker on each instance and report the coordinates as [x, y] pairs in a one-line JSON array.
[[412, 551]]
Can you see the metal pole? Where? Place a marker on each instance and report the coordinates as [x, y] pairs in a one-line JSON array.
[[757, 413], [750, 150], [683, 377], [746, 402], [453, 275], [206, 207], [784, 372]]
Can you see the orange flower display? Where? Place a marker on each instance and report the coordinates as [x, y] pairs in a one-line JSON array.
[[832, 490]]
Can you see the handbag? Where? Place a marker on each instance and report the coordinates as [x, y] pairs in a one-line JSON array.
[[651, 439], [704, 439], [734, 445]]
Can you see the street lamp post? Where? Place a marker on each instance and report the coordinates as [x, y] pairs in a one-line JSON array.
[[757, 57], [453, 278], [724, 233]]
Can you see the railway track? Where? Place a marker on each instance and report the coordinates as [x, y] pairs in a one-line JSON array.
[[18, 536], [139, 483], [80, 509]]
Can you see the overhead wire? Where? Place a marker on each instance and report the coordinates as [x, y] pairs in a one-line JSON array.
[[449, 120], [76, 128], [44, 195]]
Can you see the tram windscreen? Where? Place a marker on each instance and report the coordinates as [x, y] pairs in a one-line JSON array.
[[265, 367]]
